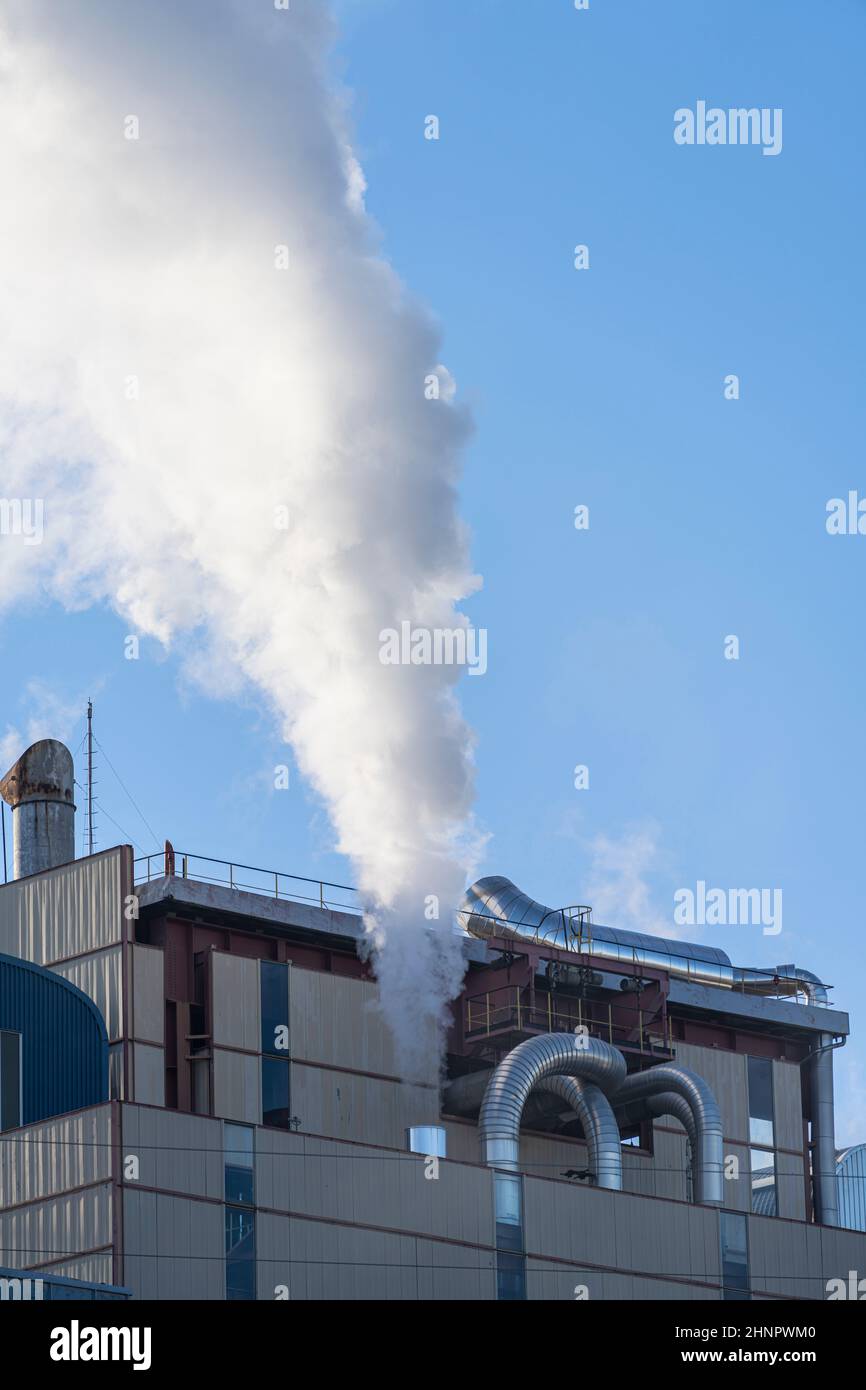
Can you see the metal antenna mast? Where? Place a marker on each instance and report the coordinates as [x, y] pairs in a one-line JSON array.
[[89, 776]]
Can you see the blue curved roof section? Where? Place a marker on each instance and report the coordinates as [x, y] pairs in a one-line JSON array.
[[64, 1044]]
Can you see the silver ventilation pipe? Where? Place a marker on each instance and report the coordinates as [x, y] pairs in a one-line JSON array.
[[655, 1107], [40, 789], [599, 1125], [823, 1131], [495, 907], [658, 1106], [526, 1065], [708, 1149]]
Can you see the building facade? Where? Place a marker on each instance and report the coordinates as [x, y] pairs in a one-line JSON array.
[[211, 1105]]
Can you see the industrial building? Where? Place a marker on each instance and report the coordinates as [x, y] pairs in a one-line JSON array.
[[623, 1117]]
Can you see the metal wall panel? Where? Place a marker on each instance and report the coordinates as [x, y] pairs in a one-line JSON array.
[[93, 1269], [842, 1252], [236, 1001], [176, 1152], [64, 912], [790, 1186], [785, 1258], [237, 1086], [638, 1236], [344, 1106], [148, 993], [100, 977], [148, 1074], [666, 1174], [322, 1261], [788, 1105], [737, 1189], [337, 1020], [366, 1186], [726, 1074], [174, 1247], [49, 1158], [38, 1234], [555, 1283]]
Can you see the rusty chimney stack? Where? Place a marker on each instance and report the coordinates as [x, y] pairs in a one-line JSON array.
[[40, 789]]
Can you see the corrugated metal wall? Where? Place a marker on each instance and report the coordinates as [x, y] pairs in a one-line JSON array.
[[337, 1019], [364, 1222], [637, 1237], [65, 912], [64, 1051], [100, 977], [56, 1194], [45, 1159]]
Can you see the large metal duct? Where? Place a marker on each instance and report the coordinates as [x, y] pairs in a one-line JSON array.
[[823, 1132], [525, 1066], [40, 789], [708, 1149], [495, 907], [598, 1122], [655, 1107]]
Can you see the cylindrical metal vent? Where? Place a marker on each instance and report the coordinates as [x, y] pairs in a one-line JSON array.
[[430, 1140], [40, 789]]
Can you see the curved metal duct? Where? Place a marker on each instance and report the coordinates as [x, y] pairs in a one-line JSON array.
[[526, 1065], [707, 1147], [598, 1121], [654, 1107], [763, 982], [496, 907]]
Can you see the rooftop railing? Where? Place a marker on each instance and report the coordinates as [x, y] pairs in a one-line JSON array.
[[270, 883]]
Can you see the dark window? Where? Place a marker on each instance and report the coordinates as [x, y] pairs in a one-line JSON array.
[[735, 1256], [10, 1080], [510, 1277], [239, 1165], [761, 1101], [275, 1092], [510, 1261], [275, 1008], [240, 1253]]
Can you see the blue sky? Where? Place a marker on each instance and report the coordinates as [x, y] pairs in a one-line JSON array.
[[605, 388]]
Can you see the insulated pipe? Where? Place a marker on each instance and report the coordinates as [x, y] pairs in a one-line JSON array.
[[654, 1107], [495, 907], [708, 1147], [823, 1132], [509, 1086], [598, 1122]]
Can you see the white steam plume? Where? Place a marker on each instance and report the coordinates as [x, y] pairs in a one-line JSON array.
[[166, 388]]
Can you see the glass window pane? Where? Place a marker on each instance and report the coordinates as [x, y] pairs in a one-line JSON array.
[[275, 1008], [763, 1165], [275, 1092], [239, 1164], [506, 1191], [735, 1256], [510, 1277], [10, 1080], [238, 1145], [761, 1101]]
